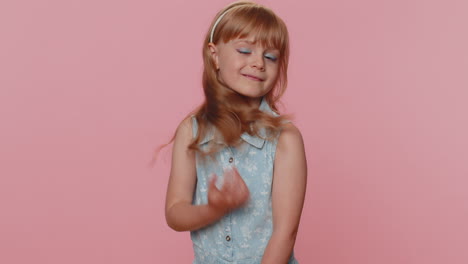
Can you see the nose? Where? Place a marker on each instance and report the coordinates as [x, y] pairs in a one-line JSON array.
[[258, 62]]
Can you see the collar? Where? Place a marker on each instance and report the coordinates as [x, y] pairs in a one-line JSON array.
[[252, 140]]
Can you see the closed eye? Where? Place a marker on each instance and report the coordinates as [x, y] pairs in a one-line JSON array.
[[244, 51], [270, 57]]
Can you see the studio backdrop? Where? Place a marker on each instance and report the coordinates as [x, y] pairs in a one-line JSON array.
[[89, 89]]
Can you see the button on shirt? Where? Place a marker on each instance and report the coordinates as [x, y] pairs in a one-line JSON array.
[[242, 235]]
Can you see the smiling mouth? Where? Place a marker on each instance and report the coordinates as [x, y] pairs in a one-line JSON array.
[[251, 77]]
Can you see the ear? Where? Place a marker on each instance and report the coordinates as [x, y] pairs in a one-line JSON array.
[[214, 54]]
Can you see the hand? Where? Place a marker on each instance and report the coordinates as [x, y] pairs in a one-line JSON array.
[[233, 194]]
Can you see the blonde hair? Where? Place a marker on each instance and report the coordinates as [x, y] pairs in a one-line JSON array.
[[223, 108]]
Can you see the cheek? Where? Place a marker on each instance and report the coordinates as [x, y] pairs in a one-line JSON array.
[[227, 74], [229, 69], [225, 65], [274, 71]]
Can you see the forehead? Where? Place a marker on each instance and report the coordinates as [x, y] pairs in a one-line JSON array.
[[250, 40]]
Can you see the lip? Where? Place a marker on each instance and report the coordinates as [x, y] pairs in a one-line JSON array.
[[253, 77]]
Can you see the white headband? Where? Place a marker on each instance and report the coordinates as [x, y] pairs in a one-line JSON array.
[[216, 23]]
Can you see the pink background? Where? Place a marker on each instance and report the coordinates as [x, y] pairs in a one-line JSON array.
[[88, 89]]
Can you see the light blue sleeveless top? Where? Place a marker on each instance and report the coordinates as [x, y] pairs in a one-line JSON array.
[[242, 235]]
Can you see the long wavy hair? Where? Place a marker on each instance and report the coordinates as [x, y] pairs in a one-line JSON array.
[[228, 112]]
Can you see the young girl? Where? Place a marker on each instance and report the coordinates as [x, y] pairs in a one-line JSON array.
[[238, 174]]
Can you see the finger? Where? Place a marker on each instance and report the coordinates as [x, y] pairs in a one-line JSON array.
[[228, 180], [230, 189], [228, 173], [213, 191], [243, 190], [237, 178], [235, 171], [246, 194], [237, 181], [212, 181], [215, 198], [242, 193], [239, 188]]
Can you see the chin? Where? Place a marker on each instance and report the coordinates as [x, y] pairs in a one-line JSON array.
[[249, 91], [252, 95]]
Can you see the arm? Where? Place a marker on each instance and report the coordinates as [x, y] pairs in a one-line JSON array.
[[288, 192], [181, 215]]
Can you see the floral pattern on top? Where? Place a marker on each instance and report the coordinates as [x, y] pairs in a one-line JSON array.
[[242, 235]]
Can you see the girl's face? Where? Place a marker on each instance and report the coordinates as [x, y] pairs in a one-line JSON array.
[[246, 67]]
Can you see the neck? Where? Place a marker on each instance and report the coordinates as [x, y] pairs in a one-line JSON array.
[[254, 102]]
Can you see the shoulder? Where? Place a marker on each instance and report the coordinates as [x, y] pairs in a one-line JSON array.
[[290, 138], [184, 131], [186, 124]]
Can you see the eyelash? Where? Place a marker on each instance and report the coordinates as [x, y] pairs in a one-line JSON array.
[[269, 57]]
